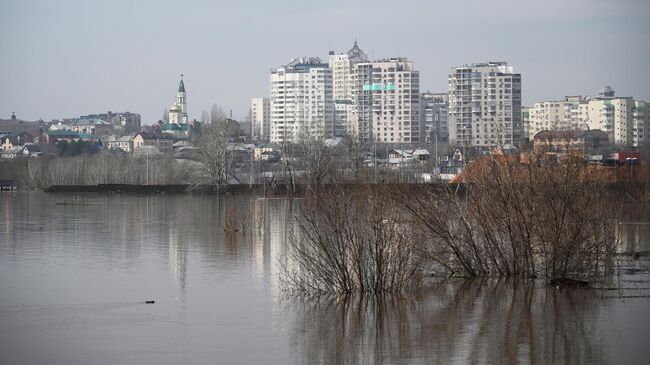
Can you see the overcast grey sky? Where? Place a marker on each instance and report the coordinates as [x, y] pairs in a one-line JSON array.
[[65, 58]]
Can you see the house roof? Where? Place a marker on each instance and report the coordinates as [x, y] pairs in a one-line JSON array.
[[154, 135], [403, 153], [174, 127], [32, 148], [549, 135], [90, 121], [63, 133], [12, 139]]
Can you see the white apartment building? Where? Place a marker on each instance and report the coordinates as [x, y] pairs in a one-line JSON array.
[[342, 66], [622, 118], [387, 101], [301, 101], [485, 105], [561, 115], [261, 119], [640, 117], [343, 111]]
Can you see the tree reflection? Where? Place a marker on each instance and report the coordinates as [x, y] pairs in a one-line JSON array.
[[457, 321]]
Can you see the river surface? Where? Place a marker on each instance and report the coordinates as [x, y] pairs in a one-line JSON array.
[[74, 280]]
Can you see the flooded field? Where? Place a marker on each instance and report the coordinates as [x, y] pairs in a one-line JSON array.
[[75, 278]]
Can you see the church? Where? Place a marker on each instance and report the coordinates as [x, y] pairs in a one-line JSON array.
[[178, 124], [178, 111]]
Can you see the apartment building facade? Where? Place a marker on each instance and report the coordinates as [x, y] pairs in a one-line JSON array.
[[261, 119], [623, 119], [563, 115], [386, 98], [433, 115], [301, 103], [485, 105]]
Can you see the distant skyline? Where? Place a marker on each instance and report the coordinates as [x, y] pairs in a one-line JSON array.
[[71, 57]]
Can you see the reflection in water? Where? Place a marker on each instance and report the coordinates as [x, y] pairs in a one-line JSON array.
[[464, 321], [78, 274], [634, 236]]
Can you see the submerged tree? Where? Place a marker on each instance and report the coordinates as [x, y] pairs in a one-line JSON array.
[[352, 240], [534, 217]]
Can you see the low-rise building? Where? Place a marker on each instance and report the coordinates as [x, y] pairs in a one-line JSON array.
[[54, 136], [260, 149], [124, 143], [95, 127], [31, 150], [573, 141], [12, 152], [162, 141]]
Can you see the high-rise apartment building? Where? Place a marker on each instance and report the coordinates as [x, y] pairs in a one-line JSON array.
[[261, 119], [342, 66], [485, 105], [386, 101], [301, 101], [433, 115]]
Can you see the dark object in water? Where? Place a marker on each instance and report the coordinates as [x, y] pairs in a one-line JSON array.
[[570, 283], [637, 255], [150, 302]]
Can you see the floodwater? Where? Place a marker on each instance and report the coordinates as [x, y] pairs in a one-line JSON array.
[[74, 280]]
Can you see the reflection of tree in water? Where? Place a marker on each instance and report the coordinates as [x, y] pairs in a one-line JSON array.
[[464, 321]]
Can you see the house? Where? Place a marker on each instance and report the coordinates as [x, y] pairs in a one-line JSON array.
[[270, 156], [54, 136], [421, 155], [18, 126], [31, 150], [9, 142], [92, 126], [19, 138], [12, 153], [124, 143], [162, 141], [399, 157], [260, 149]]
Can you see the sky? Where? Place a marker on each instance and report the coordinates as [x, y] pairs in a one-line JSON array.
[[66, 58]]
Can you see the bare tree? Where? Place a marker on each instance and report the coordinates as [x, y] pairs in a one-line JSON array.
[[215, 156], [217, 114], [534, 217], [316, 162], [352, 240], [355, 156]]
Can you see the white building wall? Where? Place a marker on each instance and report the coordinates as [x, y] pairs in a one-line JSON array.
[[387, 101], [301, 102], [485, 105], [260, 119]]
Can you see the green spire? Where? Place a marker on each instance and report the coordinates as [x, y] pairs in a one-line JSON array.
[[181, 86]]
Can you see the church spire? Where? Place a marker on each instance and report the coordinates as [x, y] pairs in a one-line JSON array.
[[181, 86]]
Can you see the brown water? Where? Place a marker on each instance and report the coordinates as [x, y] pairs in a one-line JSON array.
[[74, 279]]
